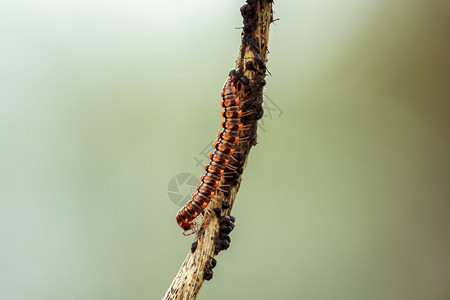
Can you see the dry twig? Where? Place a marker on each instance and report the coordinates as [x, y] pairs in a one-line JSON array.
[[213, 234]]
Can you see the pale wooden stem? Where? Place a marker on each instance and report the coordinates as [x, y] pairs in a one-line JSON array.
[[252, 60]]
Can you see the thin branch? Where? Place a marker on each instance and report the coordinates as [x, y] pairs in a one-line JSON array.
[[217, 222]]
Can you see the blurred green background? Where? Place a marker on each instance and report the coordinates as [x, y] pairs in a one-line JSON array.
[[346, 196]]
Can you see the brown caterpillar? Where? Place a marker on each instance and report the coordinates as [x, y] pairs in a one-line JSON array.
[[219, 159]]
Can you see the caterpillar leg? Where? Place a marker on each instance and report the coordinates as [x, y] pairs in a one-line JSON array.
[[222, 190], [231, 167], [194, 229]]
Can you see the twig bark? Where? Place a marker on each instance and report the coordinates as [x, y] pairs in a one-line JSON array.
[[217, 224]]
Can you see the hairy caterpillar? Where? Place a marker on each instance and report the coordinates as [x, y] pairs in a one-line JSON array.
[[219, 159]]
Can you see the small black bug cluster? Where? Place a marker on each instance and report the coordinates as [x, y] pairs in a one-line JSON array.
[[223, 240], [250, 18], [217, 211], [225, 205], [194, 246], [208, 274], [236, 74], [251, 22], [257, 66], [233, 174]]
